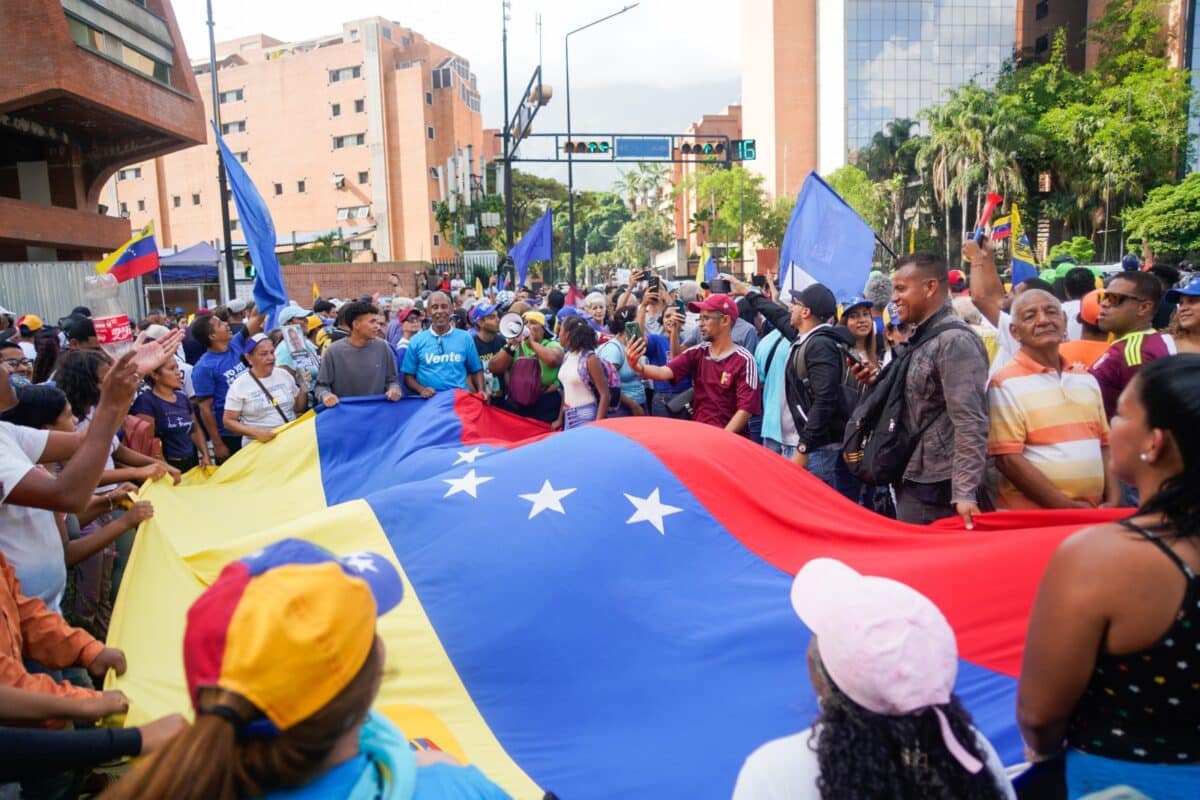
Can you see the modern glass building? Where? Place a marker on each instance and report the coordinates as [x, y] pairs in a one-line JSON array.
[[899, 57]]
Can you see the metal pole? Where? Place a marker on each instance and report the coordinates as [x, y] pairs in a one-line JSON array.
[[570, 154], [221, 181], [570, 159], [508, 203]]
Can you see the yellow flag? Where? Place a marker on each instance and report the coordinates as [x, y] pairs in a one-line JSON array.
[[316, 291], [478, 288]]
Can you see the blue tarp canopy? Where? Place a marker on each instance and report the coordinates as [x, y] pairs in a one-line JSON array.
[[195, 264]]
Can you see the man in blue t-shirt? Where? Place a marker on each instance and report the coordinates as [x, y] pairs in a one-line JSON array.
[[215, 372], [442, 357]]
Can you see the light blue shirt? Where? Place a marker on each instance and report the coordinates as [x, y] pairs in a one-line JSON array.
[[631, 382], [773, 381], [442, 362]]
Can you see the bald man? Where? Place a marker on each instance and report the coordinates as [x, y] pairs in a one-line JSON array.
[[1048, 431]]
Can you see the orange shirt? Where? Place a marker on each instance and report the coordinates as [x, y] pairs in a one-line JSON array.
[[30, 630], [1082, 352]]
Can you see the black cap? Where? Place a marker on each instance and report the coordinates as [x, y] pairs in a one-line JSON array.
[[81, 311], [322, 306], [79, 329], [818, 299]]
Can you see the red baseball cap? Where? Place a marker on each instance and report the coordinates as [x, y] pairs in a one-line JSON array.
[[716, 302]]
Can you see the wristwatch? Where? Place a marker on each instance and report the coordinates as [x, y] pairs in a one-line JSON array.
[[802, 448]]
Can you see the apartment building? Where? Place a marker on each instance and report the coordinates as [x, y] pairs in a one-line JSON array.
[[356, 135]]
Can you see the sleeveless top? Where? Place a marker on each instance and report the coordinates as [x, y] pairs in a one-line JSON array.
[[1145, 706]]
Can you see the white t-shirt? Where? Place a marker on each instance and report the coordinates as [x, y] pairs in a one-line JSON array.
[[1074, 326], [20, 449], [254, 408], [29, 537], [29, 350], [1007, 346], [787, 769]]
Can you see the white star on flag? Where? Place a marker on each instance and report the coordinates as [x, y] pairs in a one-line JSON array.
[[468, 483], [546, 499], [361, 562], [650, 509], [468, 457]]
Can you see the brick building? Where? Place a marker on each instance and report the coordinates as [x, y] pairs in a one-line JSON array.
[[347, 135], [85, 88]]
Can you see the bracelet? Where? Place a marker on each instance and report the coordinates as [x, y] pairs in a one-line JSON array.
[[108, 497]]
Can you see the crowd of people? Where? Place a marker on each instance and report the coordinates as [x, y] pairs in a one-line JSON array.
[[934, 393]]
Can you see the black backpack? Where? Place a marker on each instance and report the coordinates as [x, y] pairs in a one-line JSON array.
[[878, 445], [797, 393]]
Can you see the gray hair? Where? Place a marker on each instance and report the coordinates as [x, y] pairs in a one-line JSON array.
[[595, 298], [965, 310], [1030, 295], [689, 291]]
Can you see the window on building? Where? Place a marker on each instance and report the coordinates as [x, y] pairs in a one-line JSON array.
[[335, 110], [406, 41], [1042, 44], [196, 199], [359, 245], [124, 209], [360, 106], [243, 156], [387, 33], [437, 240], [353, 212], [232, 96], [176, 201], [1042, 10], [129, 174], [442, 78], [114, 48], [278, 189], [237, 126], [364, 177], [433, 173], [349, 140], [433, 206], [429, 131], [141, 205], [344, 74], [233, 224], [354, 34], [429, 98], [300, 187]]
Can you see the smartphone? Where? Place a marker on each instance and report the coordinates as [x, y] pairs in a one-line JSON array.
[[681, 306], [720, 286], [854, 357], [758, 280], [632, 330], [655, 283]]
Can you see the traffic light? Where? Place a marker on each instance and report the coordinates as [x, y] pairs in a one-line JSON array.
[[704, 149], [588, 148]]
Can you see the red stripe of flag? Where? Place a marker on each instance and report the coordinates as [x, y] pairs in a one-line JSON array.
[[140, 258]]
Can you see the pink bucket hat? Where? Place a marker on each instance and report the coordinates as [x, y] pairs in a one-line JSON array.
[[886, 646]]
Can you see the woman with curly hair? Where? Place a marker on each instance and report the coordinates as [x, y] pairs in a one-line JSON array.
[[1109, 677], [890, 726]]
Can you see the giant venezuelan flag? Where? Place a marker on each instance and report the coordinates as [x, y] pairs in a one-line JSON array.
[[600, 613]]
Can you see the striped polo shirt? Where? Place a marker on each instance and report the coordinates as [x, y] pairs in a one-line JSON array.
[[1054, 419]]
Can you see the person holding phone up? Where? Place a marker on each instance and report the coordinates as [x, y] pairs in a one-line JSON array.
[[723, 373]]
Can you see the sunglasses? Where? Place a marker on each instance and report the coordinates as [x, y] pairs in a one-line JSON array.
[[1117, 298]]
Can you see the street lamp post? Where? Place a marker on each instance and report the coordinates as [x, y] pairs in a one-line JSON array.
[[508, 205], [570, 154], [223, 186]]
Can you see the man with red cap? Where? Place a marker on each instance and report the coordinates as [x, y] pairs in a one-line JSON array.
[[724, 374]]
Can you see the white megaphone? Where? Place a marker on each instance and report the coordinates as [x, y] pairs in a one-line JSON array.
[[512, 326]]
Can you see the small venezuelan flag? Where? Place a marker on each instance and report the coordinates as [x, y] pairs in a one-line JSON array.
[[136, 257], [1001, 228]]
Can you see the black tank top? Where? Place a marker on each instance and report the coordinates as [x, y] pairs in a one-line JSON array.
[[1145, 706]]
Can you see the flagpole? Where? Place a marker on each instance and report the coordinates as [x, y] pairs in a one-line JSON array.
[[221, 180], [884, 244]]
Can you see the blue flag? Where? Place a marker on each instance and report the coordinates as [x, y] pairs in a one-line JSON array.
[[269, 292], [826, 242], [710, 269], [1024, 261], [536, 244]]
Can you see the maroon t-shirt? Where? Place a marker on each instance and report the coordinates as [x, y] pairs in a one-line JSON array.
[[723, 386]]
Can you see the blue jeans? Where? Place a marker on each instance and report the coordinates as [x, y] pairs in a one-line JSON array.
[[575, 416], [827, 464], [785, 450]]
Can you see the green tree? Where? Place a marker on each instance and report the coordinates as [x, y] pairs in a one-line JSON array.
[[1169, 220], [770, 227], [860, 193], [1080, 249]]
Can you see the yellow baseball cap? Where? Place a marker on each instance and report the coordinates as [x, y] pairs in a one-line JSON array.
[[535, 316], [31, 321], [287, 628]]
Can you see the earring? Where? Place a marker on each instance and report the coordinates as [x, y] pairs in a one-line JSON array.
[[1144, 457]]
